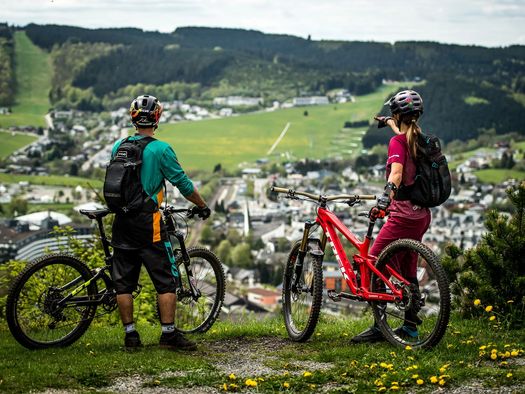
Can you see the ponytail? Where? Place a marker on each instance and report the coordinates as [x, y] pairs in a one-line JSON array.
[[412, 133]]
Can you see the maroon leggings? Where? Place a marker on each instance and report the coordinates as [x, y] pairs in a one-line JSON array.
[[398, 227]]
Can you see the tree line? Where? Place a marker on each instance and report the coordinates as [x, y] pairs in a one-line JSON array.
[[7, 69]]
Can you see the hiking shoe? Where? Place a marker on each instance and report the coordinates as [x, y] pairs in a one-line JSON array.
[[176, 341], [406, 332], [132, 340], [372, 334]]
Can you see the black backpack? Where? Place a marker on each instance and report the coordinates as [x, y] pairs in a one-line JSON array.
[[432, 185], [123, 189]]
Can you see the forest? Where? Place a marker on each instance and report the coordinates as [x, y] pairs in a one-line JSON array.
[[7, 74], [467, 89]]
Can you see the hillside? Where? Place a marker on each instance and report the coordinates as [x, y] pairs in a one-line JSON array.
[[468, 89]]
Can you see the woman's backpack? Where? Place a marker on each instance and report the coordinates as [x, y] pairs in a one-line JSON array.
[[432, 185], [123, 189]]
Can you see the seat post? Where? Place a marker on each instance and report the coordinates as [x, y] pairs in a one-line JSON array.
[[105, 243]]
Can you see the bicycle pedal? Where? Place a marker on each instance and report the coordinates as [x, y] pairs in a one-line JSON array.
[[336, 297]]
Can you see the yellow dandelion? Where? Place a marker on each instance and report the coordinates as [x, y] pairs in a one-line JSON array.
[[251, 383], [514, 353], [380, 389], [449, 346], [510, 301], [420, 381], [307, 374], [395, 383], [415, 376], [408, 347], [492, 318], [286, 385], [442, 382], [233, 386], [506, 345], [482, 347], [312, 386], [394, 388], [232, 376], [503, 363], [507, 354], [225, 387], [494, 351], [488, 308], [509, 375], [345, 334], [433, 379], [493, 356], [383, 365], [378, 382], [477, 302], [444, 376], [260, 379]]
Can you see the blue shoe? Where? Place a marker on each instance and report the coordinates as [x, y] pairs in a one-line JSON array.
[[406, 332]]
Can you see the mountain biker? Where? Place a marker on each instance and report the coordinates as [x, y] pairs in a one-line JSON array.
[[139, 238], [406, 219]]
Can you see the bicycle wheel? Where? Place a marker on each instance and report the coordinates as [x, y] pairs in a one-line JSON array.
[[197, 314], [302, 297], [32, 313], [421, 318]]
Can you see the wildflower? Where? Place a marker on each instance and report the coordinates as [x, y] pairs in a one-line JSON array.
[[510, 301], [383, 365], [488, 308], [410, 358], [509, 375], [408, 347], [415, 376], [482, 347], [394, 388], [251, 383], [260, 379], [444, 368], [477, 302], [442, 382], [514, 353], [393, 354], [506, 345], [493, 356], [380, 389], [378, 382], [312, 386], [345, 334], [353, 363], [503, 363], [225, 387], [507, 354], [286, 385], [449, 346], [232, 376], [433, 379], [420, 381], [395, 383], [492, 318], [307, 374]]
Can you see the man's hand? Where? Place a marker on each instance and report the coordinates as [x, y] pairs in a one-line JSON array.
[[204, 212]]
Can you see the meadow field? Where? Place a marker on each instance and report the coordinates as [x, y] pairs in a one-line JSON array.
[[33, 78], [243, 139], [13, 141]]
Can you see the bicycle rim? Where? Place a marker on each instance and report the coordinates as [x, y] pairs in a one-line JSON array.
[[302, 296], [420, 320], [197, 314], [33, 315]]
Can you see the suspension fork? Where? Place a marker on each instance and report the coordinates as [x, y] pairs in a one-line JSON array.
[[195, 293], [303, 249]]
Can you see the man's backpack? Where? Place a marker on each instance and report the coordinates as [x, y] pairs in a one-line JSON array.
[[123, 189], [432, 185]]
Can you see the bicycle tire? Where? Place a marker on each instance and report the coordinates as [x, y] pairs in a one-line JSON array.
[[304, 333], [435, 274], [14, 294], [218, 298]]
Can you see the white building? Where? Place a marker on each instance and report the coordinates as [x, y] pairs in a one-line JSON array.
[[312, 100]]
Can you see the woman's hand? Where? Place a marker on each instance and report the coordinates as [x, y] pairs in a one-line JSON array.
[[387, 121]]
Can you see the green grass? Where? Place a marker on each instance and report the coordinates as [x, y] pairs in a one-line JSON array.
[[13, 141], [245, 138], [498, 175], [33, 76], [97, 359], [51, 180]]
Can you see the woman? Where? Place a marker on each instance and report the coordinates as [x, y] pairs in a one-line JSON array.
[[406, 220]]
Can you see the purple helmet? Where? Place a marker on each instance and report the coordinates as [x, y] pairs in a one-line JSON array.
[[405, 102]]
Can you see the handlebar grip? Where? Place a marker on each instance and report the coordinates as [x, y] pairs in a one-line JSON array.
[[367, 197], [279, 189]]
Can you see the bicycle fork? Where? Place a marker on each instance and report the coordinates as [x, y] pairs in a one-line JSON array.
[[303, 250], [195, 293]]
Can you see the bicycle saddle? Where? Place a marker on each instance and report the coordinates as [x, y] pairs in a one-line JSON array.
[[95, 213]]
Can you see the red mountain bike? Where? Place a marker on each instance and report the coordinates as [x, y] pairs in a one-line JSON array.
[[394, 300]]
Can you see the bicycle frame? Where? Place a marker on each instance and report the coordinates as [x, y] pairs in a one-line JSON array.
[[329, 222]]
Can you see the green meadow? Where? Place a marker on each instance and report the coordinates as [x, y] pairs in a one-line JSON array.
[[33, 77], [13, 141], [243, 139]]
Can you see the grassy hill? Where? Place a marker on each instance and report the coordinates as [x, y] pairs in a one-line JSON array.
[[33, 77], [230, 141], [13, 141]]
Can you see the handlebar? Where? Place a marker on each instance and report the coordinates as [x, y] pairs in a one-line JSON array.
[[170, 209], [316, 197]]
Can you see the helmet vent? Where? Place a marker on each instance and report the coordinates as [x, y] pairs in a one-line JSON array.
[[144, 102]]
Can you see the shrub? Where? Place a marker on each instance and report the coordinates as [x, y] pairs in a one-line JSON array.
[[494, 270]]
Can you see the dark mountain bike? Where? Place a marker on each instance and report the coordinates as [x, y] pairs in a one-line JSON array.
[[54, 299]]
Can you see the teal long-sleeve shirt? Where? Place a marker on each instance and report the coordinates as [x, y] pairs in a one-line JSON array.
[[159, 162]]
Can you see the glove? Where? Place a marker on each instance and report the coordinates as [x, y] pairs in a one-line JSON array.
[[383, 202], [204, 213], [382, 121]]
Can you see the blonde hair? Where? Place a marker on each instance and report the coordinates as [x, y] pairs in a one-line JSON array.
[[413, 131]]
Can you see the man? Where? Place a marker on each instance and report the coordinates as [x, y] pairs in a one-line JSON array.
[[138, 238]]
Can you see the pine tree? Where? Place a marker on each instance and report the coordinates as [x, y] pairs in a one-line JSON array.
[[494, 270]]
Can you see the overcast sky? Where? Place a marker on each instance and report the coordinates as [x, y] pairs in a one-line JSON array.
[[481, 22]]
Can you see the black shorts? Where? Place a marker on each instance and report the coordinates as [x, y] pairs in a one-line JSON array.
[[159, 262]]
